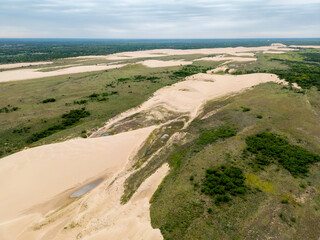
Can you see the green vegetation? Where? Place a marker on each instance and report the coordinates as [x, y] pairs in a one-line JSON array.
[[30, 50], [48, 100], [295, 67], [267, 146], [212, 135], [8, 109], [69, 119], [245, 109], [222, 180], [108, 97], [181, 211]]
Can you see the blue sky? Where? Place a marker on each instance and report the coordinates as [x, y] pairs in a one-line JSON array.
[[159, 18]]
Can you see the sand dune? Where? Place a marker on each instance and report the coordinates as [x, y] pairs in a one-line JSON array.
[[26, 64], [237, 51], [38, 181], [24, 74], [225, 58], [304, 46], [158, 63]]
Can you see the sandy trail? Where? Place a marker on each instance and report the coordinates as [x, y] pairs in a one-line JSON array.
[[26, 64], [24, 74]]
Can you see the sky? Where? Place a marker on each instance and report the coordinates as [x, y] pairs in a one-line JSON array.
[[159, 18]]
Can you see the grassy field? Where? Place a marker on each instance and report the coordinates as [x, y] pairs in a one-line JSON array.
[[275, 205], [117, 90]]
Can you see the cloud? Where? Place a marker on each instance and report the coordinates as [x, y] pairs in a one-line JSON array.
[[160, 19]]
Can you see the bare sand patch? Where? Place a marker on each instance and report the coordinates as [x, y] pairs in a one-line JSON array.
[[38, 181], [274, 52], [226, 58], [38, 174], [237, 51], [26, 64], [158, 63], [24, 74], [304, 46]]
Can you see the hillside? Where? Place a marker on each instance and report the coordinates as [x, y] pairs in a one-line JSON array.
[[162, 144]]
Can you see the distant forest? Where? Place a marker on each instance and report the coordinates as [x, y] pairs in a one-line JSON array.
[[31, 50]]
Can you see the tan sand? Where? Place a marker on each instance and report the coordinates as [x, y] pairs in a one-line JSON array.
[[274, 52], [132, 220], [38, 181], [48, 170], [205, 51], [24, 74], [158, 63], [304, 46], [239, 52], [225, 58], [26, 64]]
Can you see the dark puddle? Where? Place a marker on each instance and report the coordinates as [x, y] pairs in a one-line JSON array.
[[86, 188]]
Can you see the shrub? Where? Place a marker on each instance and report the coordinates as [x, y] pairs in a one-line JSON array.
[[69, 119], [259, 116], [83, 101], [49, 100], [223, 180], [245, 109], [210, 136], [270, 146]]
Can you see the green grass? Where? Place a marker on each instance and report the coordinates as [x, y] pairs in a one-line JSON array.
[[180, 210], [70, 91]]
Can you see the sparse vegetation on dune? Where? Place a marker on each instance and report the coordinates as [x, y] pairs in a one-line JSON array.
[[219, 192]]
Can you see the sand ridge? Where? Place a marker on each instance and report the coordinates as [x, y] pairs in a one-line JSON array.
[[45, 176], [158, 63], [26, 64], [25, 74]]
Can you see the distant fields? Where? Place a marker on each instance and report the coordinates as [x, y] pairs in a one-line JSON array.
[[33, 50]]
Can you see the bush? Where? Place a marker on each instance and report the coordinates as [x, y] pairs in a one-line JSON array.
[[270, 146], [259, 116], [49, 100], [223, 180], [210, 136], [69, 119], [245, 109]]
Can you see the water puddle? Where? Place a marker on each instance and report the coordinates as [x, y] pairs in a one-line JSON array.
[[86, 188]]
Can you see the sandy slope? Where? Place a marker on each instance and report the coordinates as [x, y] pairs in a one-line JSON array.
[[224, 58], [241, 54], [38, 181], [158, 63], [304, 46], [34, 176], [24, 74], [26, 64]]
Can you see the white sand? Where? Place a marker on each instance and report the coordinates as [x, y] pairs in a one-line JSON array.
[[39, 174], [239, 52], [38, 181], [158, 63], [206, 51], [24, 74], [274, 52], [304, 46], [226, 58], [26, 64]]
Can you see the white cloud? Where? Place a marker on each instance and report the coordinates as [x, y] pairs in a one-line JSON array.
[[161, 19]]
